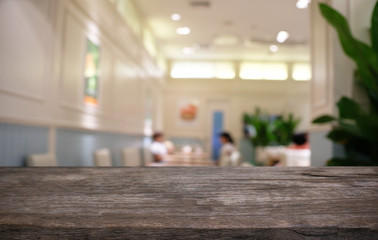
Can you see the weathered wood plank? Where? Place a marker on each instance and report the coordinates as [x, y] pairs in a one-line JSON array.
[[189, 203]]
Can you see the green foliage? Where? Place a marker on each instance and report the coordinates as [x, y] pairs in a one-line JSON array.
[[271, 132], [324, 119], [263, 127], [348, 108], [284, 129], [354, 128], [365, 56], [346, 162], [357, 131]]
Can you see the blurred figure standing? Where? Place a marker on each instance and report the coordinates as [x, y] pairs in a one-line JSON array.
[[228, 148]]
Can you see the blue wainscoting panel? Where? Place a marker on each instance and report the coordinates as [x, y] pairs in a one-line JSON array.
[[76, 148], [18, 141]]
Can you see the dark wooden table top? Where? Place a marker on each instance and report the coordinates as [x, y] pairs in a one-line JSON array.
[[189, 203]]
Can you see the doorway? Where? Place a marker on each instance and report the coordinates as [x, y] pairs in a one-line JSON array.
[[218, 121], [217, 128]]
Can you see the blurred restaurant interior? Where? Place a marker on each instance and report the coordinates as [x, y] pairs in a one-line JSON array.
[[89, 82]]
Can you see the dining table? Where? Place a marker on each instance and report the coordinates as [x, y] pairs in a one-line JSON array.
[[184, 159]]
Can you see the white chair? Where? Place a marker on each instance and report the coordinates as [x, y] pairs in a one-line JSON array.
[[147, 156], [296, 158], [131, 157], [235, 158], [41, 160], [102, 158], [231, 160]]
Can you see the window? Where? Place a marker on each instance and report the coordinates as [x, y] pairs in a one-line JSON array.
[[263, 71], [301, 72], [188, 69]]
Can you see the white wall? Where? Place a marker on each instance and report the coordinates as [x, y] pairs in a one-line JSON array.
[[42, 45], [241, 96]]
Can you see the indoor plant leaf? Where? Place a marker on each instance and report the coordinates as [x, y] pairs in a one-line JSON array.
[[348, 162], [340, 135], [348, 108], [361, 53], [355, 129], [324, 119], [368, 125], [351, 127]]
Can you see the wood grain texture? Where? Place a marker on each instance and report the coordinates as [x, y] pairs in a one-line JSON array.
[[189, 203]]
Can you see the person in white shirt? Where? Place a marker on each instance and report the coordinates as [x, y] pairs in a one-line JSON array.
[[158, 148], [227, 149]]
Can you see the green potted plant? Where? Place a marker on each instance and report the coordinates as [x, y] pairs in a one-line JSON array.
[[263, 128], [355, 129], [261, 136], [285, 128], [270, 135]]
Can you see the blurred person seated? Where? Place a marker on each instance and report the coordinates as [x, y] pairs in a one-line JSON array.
[[227, 149], [299, 153], [159, 148], [300, 141]]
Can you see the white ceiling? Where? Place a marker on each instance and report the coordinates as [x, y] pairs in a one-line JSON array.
[[255, 23]]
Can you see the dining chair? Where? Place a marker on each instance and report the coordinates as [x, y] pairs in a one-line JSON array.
[[297, 158], [147, 156], [102, 158], [235, 158], [131, 157], [41, 160]]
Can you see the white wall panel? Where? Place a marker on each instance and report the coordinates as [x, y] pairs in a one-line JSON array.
[[45, 85], [73, 49], [126, 90], [24, 40], [106, 80]]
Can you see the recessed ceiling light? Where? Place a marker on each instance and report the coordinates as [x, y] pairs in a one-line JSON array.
[[273, 48], [183, 31], [301, 4], [282, 36], [176, 17]]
